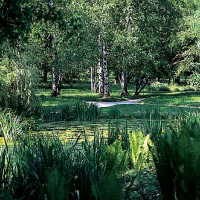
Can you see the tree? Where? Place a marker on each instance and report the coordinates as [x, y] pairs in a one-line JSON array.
[[187, 41]]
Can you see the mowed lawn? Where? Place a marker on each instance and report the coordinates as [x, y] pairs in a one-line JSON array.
[[176, 99], [166, 102]]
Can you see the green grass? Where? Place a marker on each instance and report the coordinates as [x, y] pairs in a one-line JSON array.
[[159, 100], [176, 99], [141, 111], [79, 92]]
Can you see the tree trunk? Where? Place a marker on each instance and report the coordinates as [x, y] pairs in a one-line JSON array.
[[106, 74], [158, 79], [101, 78], [103, 70], [116, 78], [124, 83], [115, 81], [56, 77], [140, 84], [56, 83], [45, 73], [137, 86], [93, 79], [178, 80], [169, 80]]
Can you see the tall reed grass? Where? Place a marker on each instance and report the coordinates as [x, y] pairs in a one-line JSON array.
[[79, 111], [42, 167]]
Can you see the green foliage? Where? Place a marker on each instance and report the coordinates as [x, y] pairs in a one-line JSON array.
[[157, 86], [145, 185], [194, 80], [114, 112], [138, 150], [105, 165], [55, 187], [110, 188], [62, 113], [5, 174], [18, 86], [80, 111], [41, 168], [15, 19], [85, 112], [11, 126], [176, 156]]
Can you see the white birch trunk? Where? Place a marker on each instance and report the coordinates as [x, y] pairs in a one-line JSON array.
[[124, 83], [93, 79], [55, 91], [105, 72], [101, 78]]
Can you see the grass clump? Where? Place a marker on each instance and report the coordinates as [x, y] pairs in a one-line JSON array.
[[41, 167], [85, 112], [125, 164], [157, 87], [11, 126], [79, 111], [164, 87], [114, 112]]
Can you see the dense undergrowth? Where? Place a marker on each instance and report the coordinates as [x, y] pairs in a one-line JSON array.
[[79, 111], [159, 161], [41, 167]]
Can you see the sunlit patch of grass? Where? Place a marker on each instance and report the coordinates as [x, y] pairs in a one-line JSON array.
[[160, 100], [81, 93], [179, 98], [141, 111]]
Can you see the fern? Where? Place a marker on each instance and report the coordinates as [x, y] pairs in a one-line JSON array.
[[138, 149]]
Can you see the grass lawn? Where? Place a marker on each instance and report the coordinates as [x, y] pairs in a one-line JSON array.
[[161, 100], [79, 92], [176, 98], [135, 115], [143, 111]]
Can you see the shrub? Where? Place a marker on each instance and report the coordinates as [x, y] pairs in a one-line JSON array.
[[114, 112], [79, 111], [194, 80], [85, 112], [41, 167], [176, 155], [17, 88], [189, 88], [56, 114], [11, 125], [157, 86]]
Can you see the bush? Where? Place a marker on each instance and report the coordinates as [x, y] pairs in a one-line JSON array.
[[194, 80], [114, 113], [157, 87], [189, 88], [79, 111], [176, 155], [41, 167], [11, 125], [85, 112], [56, 114], [17, 88]]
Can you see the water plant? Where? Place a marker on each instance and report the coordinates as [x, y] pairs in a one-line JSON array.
[[176, 155]]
